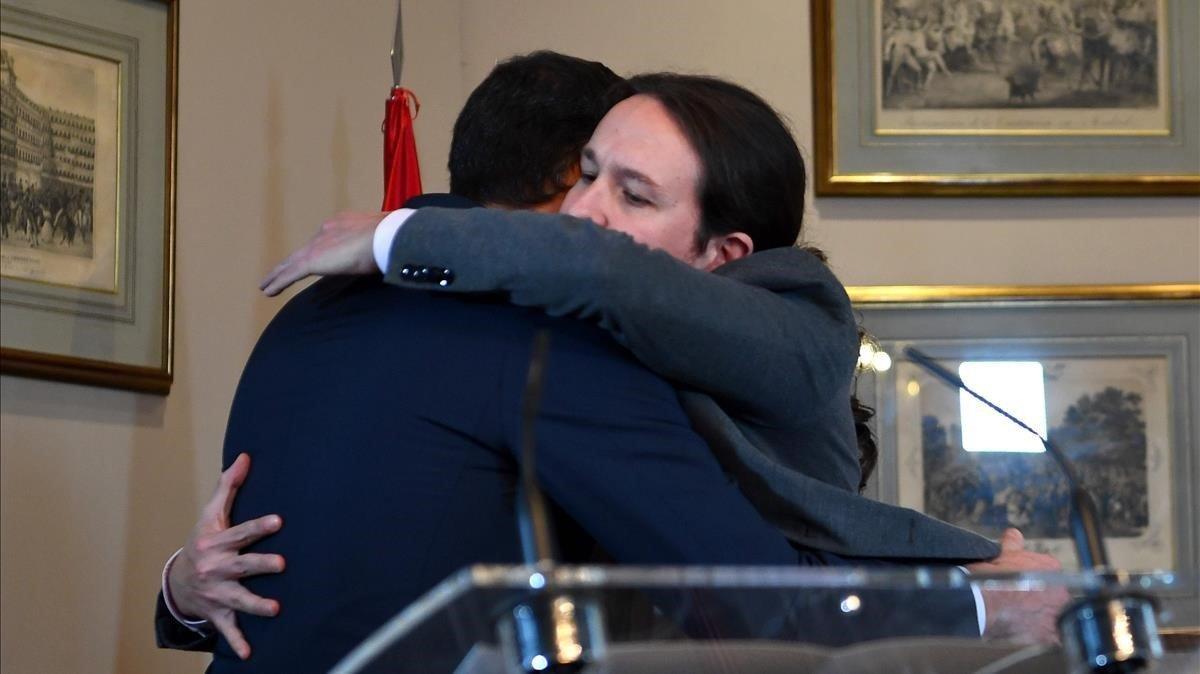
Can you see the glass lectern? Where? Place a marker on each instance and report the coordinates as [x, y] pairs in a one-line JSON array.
[[633, 620]]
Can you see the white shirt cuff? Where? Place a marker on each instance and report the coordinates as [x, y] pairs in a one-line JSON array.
[[197, 626], [980, 608], [385, 233]]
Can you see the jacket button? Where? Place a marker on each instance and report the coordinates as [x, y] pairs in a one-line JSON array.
[[446, 278], [406, 271]]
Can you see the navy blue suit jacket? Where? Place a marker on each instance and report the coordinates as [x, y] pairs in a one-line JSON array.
[[384, 428]]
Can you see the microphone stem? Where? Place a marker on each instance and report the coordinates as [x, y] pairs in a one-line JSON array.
[[1084, 521], [537, 539]]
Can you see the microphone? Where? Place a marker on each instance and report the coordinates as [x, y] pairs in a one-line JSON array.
[[1084, 522], [547, 632], [1108, 630], [533, 522]]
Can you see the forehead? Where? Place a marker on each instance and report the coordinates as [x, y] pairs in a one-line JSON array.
[[639, 134]]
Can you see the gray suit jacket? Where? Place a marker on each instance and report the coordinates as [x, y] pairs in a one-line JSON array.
[[763, 352]]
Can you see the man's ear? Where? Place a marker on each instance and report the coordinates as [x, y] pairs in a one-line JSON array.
[[564, 184], [725, 248]]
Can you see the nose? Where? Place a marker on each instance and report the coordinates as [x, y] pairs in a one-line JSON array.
[[586, 201]]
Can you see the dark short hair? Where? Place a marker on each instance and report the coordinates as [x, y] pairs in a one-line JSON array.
[[522, 130], [752, 174]]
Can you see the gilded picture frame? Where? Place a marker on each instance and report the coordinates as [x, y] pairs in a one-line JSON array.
[[918, 295], [923, 98], [88, 191]]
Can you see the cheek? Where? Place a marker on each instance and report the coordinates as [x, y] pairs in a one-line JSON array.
[[638, 231], [678, 235], [657, 233]]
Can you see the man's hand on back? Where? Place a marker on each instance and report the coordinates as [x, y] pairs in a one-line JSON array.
[[204, 580], [1023, 617], [342, 245]]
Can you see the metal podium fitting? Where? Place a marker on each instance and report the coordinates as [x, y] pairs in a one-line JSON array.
[[1112, 635], [551, 631]]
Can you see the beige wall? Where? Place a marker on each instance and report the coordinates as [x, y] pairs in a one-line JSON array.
[[280, 104]]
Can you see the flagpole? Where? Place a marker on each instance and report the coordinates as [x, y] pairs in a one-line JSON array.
[[397, 54], [401, 170]]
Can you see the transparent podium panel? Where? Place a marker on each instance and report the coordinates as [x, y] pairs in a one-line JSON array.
[[661, 620]]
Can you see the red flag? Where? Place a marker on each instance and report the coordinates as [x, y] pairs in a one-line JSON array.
[[401, 172]]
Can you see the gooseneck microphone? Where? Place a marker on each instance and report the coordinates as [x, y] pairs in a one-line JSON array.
[[549, 631], [1085, 524], [537, 536], [1108, 630]]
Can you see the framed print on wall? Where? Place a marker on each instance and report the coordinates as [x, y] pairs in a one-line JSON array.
[[87, 191], [1110, 414], [1006, 97], [1113, 383]]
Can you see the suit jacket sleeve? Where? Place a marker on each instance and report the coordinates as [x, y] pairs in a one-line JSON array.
[[763, 339], [169, 633]]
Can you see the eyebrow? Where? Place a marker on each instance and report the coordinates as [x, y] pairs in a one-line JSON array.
[[624, 173]]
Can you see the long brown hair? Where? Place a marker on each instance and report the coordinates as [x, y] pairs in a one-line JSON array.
[[868, 451]]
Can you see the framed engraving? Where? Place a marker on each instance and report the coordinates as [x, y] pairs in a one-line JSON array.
[[1013, 97], [1110, 415], [1115, 387], [87, 156], [59, 225]]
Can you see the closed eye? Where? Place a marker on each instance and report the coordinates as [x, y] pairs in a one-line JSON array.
[[635, 199]]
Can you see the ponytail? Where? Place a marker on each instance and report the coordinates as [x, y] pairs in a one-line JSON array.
[[868, 451]]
